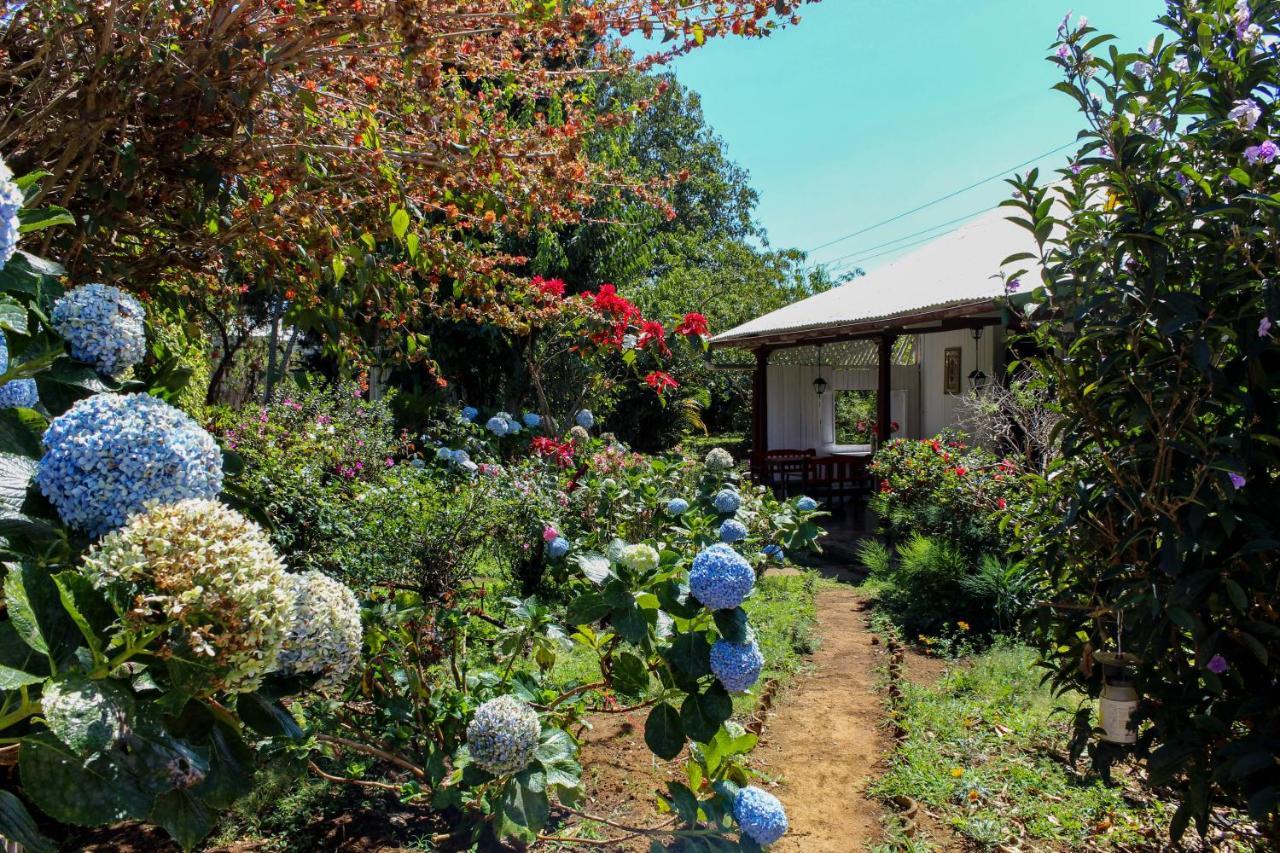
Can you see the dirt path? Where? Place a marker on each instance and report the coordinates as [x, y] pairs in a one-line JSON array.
[[823, 741]]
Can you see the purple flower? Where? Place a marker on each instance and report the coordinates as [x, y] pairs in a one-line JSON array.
[[1143, 69], [1263, 152], [1264, 328], [1245, 113], [1218, 664], [1076, 168], [1237, 480], [1012, 285], [1064, 51], [1064, 27]]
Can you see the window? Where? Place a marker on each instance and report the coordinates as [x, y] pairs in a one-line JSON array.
[[855, 416]]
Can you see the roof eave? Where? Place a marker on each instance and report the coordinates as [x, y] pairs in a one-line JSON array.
[[833, 333]]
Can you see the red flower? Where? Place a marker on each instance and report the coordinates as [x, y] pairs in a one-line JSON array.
[[1002, 503], [651, 331], [607, 300], [885, 487], [660, 382], [548, 288], [961, 470], [562, 453], [893, 426], [693, 324], [936, 445]]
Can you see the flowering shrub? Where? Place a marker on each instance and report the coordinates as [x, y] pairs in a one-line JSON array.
[[200, 582], [109, 455], [721, 578], [736, 665], [103, 325], [1156, 292]]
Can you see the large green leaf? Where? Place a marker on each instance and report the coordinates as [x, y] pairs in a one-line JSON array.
[[87, 715], [691, 653], [267, 717], [702, 713], [630, 676], [68, 789], [230, 768], [36, 613], [13, 315], [525, 802], [85, 605], [557, 753], [663, 732], [39, 218], [17, 825], [183, 816], [20, 432]]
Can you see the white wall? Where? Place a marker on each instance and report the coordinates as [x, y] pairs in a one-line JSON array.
[[799, 419], [937, 408]]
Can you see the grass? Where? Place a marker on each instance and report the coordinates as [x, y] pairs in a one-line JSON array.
[[986, 749]]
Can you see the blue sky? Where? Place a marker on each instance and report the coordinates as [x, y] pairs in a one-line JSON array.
[[872, 107]]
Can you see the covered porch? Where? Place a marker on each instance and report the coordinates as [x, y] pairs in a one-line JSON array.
[[887, 355]]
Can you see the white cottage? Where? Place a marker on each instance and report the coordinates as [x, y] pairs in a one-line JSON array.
[[912, 336]]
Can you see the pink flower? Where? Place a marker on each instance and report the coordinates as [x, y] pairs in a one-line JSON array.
[[390, 462], [1264, 328], [549, 533]]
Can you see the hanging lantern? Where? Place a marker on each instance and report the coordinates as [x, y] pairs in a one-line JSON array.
[[820, 384], [1119, 699], [977, 379]]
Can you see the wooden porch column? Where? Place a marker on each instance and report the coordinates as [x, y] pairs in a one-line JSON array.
[[759, 410], [884, 385]]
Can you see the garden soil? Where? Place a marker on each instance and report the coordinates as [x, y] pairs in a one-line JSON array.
[[823, 742]]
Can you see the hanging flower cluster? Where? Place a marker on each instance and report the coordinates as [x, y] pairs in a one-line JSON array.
[[737, 665], [205, 581], [104, 326], [325, 633], [759, 814], [721, 578], [110, 454], [733, 530], [16, 393], [503, 735]]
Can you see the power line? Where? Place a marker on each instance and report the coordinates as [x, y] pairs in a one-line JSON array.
[[890, 251], [906, 236], [1002, 173]]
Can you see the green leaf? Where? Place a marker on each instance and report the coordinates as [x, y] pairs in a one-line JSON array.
[[691, 653], [266, 717], [630, 676], [21, 614], [231, 765], [183, 816], [40, 218], [525, 801], [12, 679], [399, 222], [595, 567], [86, 606], [20, 433], [13, 315], [339, 268], [88, 716], [587, 608], [683, 802], [663, 732], [702, 713], [733, 625], [17, 825], [70, 790], [557, 753]]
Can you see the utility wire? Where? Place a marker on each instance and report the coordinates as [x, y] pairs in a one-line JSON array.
[[906, 237], [890, 251], [1002, 173]]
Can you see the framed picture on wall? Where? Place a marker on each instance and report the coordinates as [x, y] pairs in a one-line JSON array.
[[951, 370]]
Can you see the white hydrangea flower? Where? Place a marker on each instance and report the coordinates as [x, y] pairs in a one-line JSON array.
[[503, 735], [325, 636], [718, 460], [10, 203]]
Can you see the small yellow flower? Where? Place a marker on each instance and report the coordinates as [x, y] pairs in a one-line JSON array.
[[963, 626], [957, 772]]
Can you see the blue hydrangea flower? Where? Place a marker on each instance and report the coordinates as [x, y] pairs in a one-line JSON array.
[[759, 814], [110, 454], [774, 552], [470, 413], [459, 457], [558, 547], [532, 420], [585, 419], [4, 352], [727, 501], [444, 454], [733, 531], [104, 326], [806, 504], [497, 426], [737, 665], [10, 203], [720, 577], [677, 506], [19, 393]]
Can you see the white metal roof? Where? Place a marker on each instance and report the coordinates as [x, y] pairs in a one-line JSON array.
[[957, 269]]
